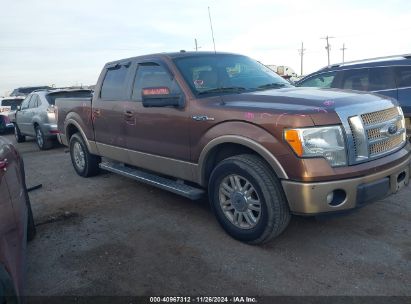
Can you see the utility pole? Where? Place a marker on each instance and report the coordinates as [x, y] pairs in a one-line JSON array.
[[301, 52], [328, 47], [343, 51], [211, 26], [196, 45]]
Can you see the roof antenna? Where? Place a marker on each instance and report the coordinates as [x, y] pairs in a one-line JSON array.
[[211, 26]]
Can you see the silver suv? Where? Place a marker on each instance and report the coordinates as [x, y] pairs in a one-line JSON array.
[[36, 117]]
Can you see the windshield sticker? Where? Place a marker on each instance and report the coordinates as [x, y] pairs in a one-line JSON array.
[[198, 83]]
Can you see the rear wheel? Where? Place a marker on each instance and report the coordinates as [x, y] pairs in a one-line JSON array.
[[19, 137], [248, 199], [84, 163], [43, 142]]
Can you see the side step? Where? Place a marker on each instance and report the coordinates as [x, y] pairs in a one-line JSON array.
[[154, 180]]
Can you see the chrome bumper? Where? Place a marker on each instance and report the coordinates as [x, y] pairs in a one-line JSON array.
[[311, 198]]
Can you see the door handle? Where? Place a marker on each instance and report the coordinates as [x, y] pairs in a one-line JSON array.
[[97, 112], [128, 114], [3, 164]]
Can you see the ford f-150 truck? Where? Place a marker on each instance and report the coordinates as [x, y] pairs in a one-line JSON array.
[[198, 123]]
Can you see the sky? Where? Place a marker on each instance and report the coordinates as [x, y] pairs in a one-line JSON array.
[[61, 43]]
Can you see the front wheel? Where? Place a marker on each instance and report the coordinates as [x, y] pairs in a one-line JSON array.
[[248, 199], [84, 163], [19, 137]]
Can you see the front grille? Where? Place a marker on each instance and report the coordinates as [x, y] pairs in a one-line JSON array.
[[376, 132], [379, 116], [371, 133], [386, 145]]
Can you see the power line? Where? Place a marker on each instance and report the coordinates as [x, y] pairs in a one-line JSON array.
[[328, 47], [302, 51]]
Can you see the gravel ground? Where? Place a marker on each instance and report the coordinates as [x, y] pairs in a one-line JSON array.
[[108, 235]]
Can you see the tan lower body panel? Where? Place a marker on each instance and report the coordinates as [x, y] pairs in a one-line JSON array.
[[311, 198], [162, 165]]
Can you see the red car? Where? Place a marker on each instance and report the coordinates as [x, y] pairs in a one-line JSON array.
[[16, 222]]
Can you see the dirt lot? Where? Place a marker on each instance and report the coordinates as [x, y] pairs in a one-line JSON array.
[[108, 235]]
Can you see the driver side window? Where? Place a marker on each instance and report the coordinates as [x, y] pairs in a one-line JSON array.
[[25, 103], [324, 80], [151, 75]]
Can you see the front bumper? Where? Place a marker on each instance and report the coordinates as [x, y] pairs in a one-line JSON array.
[[311, 198]]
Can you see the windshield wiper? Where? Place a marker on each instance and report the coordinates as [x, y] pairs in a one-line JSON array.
[[273, 85], [223, 90]]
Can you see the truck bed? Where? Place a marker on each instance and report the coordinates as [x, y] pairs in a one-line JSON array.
[[79, 110]]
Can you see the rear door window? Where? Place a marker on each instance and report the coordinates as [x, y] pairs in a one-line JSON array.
[[403, 76], [114, 84], [381, 79], [152, 75], [357, 79], [324, 80]]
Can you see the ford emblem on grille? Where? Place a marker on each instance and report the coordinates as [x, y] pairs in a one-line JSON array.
[[392, 129]]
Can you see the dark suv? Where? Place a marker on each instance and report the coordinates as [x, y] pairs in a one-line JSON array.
[[390, 76]]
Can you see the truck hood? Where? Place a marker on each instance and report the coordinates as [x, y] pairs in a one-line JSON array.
[[302, 100]]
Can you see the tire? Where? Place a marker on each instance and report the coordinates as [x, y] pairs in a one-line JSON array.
[[17, 134], [84, 163], [8, 293], [31, 227], [245, 185], [42, 141]]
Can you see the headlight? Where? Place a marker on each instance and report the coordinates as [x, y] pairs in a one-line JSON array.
[[327, 142]]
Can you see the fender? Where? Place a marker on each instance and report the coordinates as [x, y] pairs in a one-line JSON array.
[[91, 144], [245, 141]]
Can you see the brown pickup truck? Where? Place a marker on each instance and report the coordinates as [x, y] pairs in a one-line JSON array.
[[192, 121]]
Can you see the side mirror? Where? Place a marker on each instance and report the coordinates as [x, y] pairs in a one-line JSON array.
[[18, 108], [161, 97]]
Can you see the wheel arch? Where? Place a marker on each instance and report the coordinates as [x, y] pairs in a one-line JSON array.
[[72, 127], [231, 145]]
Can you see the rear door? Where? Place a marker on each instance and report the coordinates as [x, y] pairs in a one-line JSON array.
[[22, 117], [108, 112]]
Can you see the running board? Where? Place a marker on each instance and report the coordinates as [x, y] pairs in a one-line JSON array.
[[154, 180]]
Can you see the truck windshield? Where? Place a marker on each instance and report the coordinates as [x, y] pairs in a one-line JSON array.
[[227, 74]]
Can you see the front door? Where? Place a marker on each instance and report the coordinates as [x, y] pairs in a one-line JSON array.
[[158, 131], [22, 116]]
